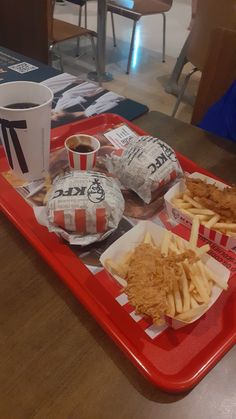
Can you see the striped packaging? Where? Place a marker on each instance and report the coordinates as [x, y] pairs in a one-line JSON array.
[[81, 161], [84, 207], [78, 159], [215, 236], [120, 248]]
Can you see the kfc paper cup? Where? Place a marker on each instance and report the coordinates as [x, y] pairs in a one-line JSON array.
[[25, 111], [82, 151]]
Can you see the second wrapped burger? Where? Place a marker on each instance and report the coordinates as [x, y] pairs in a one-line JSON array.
[[146, 166]]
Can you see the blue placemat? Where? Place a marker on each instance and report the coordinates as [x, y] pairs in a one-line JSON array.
[[74, 99]]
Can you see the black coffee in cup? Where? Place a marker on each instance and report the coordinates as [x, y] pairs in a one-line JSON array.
[[82, 148], [22, 105]]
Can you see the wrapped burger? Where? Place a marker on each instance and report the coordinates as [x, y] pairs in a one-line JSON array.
[[146, 165], [84, 207]]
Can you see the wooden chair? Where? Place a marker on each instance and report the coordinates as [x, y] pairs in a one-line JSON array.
[[210, 15], [31, 29], [218, 73], [134, 10], [60, 31]]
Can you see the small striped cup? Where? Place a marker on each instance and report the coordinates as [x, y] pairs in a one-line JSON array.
[[82, 151]]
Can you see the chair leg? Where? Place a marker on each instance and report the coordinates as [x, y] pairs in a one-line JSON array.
[[182, 91], [60, 59], [131, 47], [85, 15], [94, 50], [113, 29], [51, 52], [172, 84], [79, 24], [164, 39], [80, 16]]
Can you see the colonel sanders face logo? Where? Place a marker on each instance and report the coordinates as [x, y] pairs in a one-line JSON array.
[[96, 192]]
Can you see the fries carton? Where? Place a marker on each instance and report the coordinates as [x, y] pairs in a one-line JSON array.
[[182, 218], [134, 237]]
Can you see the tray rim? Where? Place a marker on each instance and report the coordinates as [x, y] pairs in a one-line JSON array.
[[172, 385]]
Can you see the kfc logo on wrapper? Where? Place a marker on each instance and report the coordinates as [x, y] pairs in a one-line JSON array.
[[146, 166], [82, 151], [84, 207], [96, 192]]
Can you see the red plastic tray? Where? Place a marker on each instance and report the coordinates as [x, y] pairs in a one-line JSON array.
[[177, 359]]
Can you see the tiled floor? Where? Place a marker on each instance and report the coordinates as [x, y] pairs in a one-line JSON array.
[[148, 75]]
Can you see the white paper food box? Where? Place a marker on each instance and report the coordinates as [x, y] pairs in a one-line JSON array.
[[134, 237], [175, 213]]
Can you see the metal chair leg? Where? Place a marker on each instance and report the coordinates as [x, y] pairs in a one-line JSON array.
[[172, 84], [113, 29], [58, 55], [60, 58], [164, 39], [85, 15], [98, 71], [79, 24], [131, 47], [50, 53], [182, 91]]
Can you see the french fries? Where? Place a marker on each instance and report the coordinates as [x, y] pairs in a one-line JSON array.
[[191, 290], [191, 206]]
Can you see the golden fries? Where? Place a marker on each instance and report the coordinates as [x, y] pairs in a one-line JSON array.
[[165, 243], [192, 207], [188, 292], [177, 298], [193, 312], [148, 239], [171, 304], [185, 291], [194, 233]]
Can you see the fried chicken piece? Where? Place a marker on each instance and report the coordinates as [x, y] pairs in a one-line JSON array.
[[223, 202], [150, 277]]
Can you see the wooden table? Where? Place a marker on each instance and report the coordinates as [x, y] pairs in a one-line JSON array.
[[213, 153], [57, 363]]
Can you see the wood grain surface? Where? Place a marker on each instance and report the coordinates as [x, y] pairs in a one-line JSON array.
[[216, 154]]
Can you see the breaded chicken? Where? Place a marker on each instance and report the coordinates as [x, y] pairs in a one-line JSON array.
[[151, 277], [223, 202]]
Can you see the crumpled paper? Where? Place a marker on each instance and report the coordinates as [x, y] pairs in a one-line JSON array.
[[146, 166], [83, 207]]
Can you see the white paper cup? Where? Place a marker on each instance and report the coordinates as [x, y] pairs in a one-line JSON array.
[[25, 133], [82, 159]]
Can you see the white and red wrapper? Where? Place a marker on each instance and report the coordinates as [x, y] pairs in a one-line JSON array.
[[146, 166], [84, 207]]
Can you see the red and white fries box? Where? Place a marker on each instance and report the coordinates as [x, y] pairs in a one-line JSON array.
[[134, 237], [182, 218]]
